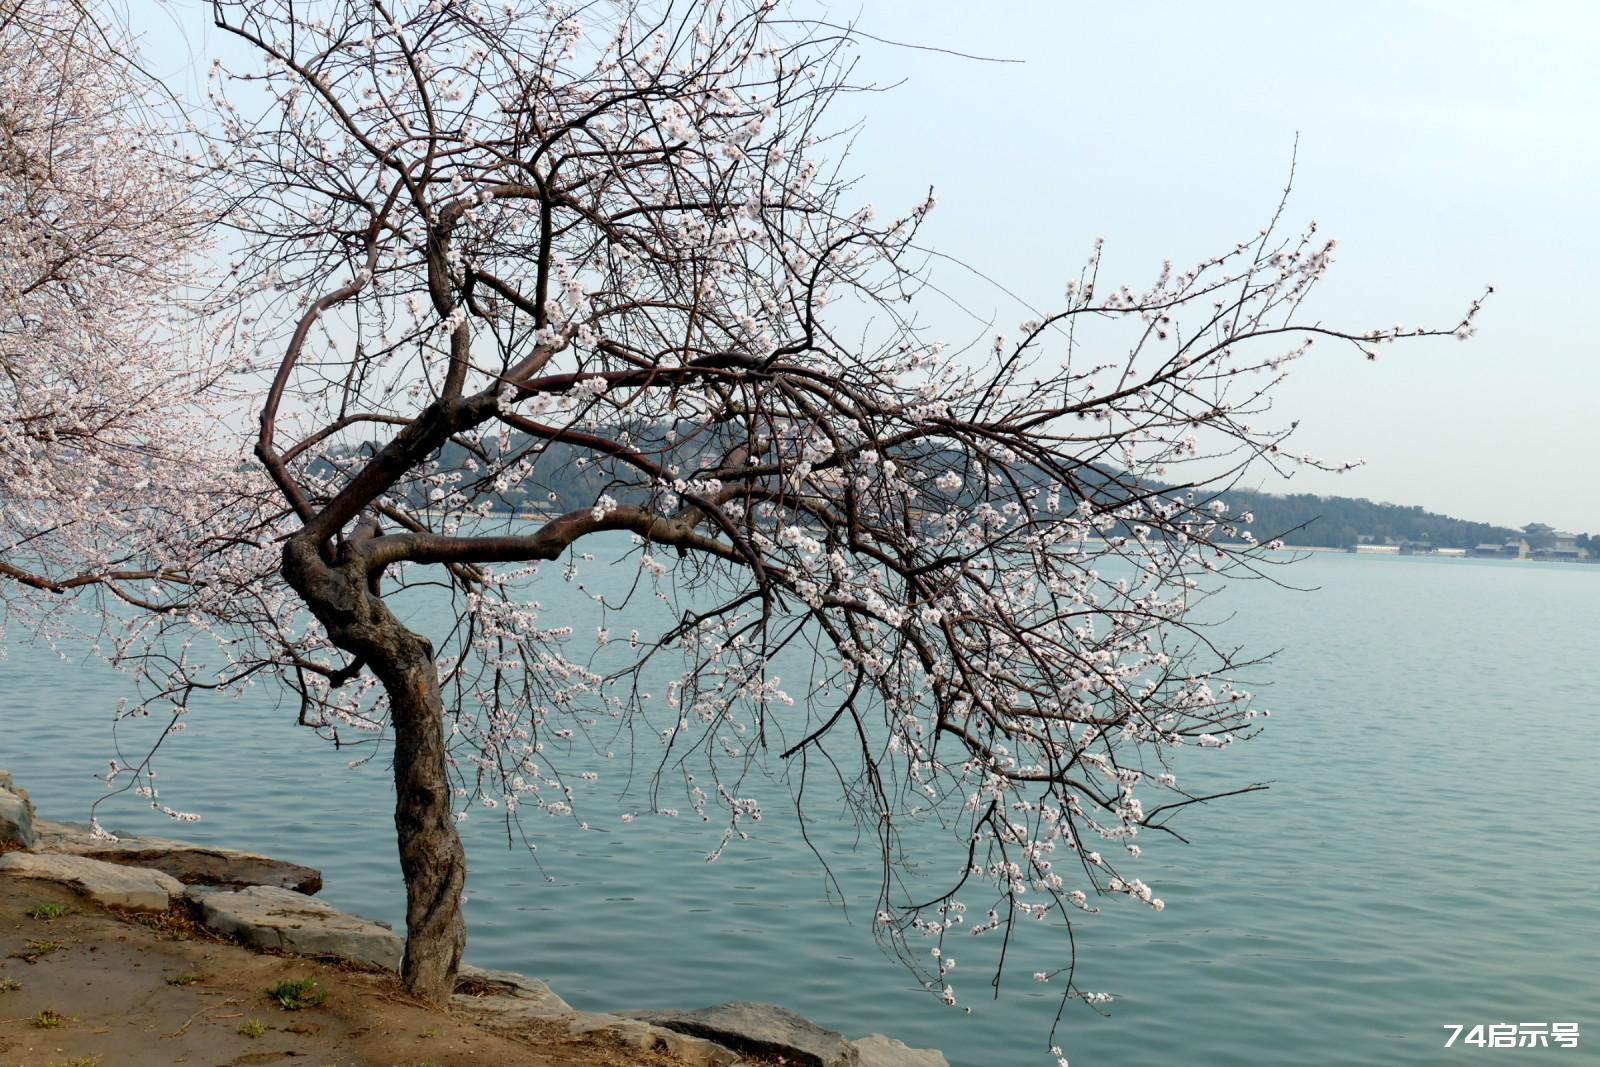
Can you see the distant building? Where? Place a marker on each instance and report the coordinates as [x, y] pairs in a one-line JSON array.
[[1513, 549], [1563, 546]]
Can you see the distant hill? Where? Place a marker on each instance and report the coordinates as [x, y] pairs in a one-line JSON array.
[[562, 476], [1339, 521], [1298, 519]]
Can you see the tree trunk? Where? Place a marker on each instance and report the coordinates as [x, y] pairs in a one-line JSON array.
[[431, 857], [342, 596]]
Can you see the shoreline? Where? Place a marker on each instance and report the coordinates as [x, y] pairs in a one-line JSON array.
[[194, 937]]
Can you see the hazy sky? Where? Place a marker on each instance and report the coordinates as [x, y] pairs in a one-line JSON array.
[[1445, 143]]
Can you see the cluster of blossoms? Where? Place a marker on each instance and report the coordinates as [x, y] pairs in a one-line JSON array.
[[102, 435]]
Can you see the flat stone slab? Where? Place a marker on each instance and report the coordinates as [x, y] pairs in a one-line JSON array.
[[189, 864], [507, 997], [269, 917], [879, 1051], [761, 1030], [103, 883], [193, 865], [507, 1000], [686, 1048]]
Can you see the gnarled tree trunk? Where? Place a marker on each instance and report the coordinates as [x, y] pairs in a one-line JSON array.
[[431, 857]]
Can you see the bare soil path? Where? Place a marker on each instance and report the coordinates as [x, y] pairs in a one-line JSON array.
[[112, 989]]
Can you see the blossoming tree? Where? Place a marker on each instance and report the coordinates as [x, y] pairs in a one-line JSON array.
[[603, 262], [97, 232]]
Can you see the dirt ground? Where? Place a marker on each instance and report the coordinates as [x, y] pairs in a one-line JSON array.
[[131, 990]]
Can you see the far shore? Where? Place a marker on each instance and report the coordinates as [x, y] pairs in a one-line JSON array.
[[1234, 546]]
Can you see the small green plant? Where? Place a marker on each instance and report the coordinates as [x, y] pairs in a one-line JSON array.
[[81, 1061], [50, 911], [50, 1020], [9, 984], [292, 994], [432, 1031], [252, 1028], [183, 978]]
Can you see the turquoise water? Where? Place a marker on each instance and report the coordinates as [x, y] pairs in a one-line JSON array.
[[1427, 854]]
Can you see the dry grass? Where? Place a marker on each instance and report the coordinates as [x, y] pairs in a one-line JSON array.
[[181, 922]]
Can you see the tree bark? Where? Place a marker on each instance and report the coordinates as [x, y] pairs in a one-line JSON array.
[[431, 858]]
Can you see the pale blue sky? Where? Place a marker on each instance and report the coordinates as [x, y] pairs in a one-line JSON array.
[[1445, 143]]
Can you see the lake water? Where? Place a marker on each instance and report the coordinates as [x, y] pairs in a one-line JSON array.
[[1427, 855]]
